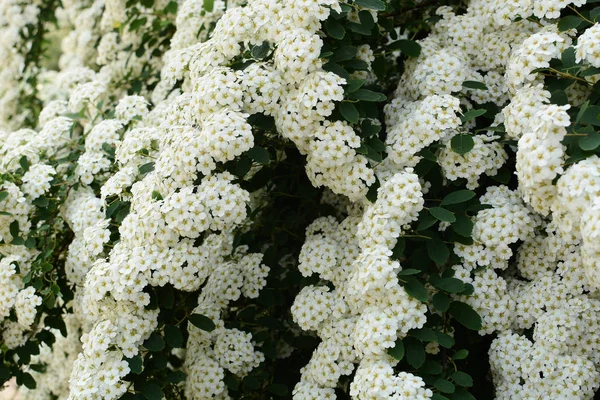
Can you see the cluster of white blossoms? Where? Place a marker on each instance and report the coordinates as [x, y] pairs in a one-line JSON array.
[[210, 354], [535, 52], [293, 87], [25, 306], [587, 46], [157, 158], [486, 157], [541, 153], [414, 125], [368, 310], [554, 213], [187, 133], [15, 16], [495, 230]]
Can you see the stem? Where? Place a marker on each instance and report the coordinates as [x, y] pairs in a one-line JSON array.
[[416, 236], [580, 15], [566, 75]]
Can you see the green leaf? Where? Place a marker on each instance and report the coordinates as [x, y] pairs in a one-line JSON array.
[[368, 95], [259, 154], [176, 377], [349, 112], [460, 196], [462, 144], [3, 195], [49, 301], [397, 351], [123, 212], [569, 22], [408, 271], [41, 202], [372, 193], [24, 163], [148, 167], [474, 85], [171, 8], [278, 389], [377, 5], [441, 301], [13, 228], [568, 57], [431, 367], [369, 127], [4, 374], [472, 114], [173, 336], [27, 380], [425, 220], [416, 289], [410, 48], [589, 71], [589, 142], [344, 53], [465, 315], [424, 334], [259, 52], [156, 195], [590, 116], [151, 390], [376, 144], [155, 342], [137, 23], [444, 386], [352, 85], [30, 242], [135, 364], [460, 354], [415, 352], [462, 379], [462, 394], [444, 339], [463, 225], [437, 250], [334, 29], [559, 97], [358, 28], [373, 154], [202, 322], [36, 368], [442, 214], [243, 166], [398, 251], [450, 285], [336, 69], [209, 5], [437, 396], [55, 289], [366, 19]]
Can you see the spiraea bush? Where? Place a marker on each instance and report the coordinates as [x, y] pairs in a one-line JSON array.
[[307, 199]]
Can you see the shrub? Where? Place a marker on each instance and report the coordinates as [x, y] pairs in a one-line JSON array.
[[306, 199]]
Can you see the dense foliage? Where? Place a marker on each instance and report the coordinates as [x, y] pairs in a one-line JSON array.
[[317, 199]]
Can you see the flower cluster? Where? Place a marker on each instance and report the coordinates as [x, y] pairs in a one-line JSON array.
[[160, 177]]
